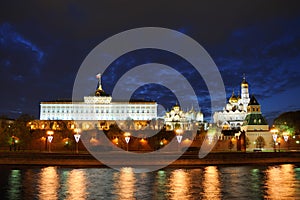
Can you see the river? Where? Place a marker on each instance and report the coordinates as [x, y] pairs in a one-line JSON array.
[[207, 182]]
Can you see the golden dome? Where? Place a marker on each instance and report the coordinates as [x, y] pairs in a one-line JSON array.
[[244, 83], [233, 98]]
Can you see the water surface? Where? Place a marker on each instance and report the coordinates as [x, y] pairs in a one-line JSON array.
[[210, 182]]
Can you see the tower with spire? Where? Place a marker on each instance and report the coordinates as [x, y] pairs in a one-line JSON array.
[[245, 93], [99, 91]]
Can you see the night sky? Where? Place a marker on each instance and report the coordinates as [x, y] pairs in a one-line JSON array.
[[43, 43]]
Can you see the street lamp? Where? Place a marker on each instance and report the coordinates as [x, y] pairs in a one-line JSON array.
[[50, 138], [286, 138], [178, 137], [77, 137], [275, 132], [127, 138]]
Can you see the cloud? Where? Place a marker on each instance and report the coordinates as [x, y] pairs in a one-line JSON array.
[[18, 51], [11, 39], [267, 52]]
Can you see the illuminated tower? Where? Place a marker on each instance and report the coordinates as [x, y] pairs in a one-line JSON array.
[[99, 90], [245, 93]]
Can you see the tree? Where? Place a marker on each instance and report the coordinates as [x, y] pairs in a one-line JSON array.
[[260, 142], [288, 122]]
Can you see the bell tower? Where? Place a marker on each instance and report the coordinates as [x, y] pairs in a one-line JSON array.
[[245, 93]]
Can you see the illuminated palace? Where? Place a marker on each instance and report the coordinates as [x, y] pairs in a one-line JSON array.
[[98, 107]]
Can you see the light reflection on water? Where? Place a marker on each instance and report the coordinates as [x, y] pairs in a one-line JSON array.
[[281, 182], [14, 184], [48, 183], [179, 184], [125, 183], [76, 184], [211, 182]]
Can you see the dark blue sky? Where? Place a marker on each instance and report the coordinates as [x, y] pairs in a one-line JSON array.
[[43, 43]]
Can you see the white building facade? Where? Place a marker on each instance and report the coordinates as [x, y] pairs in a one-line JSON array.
[[98, 107]]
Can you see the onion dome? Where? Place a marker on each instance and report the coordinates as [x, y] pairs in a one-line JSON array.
[[233, 98], [244, 83]]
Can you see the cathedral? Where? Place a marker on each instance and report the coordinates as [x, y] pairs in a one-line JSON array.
[[235, 111], [178, 119]]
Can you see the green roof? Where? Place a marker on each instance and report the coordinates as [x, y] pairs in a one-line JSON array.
[[255, 119]]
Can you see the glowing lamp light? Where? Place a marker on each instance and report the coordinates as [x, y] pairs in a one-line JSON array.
[[127, 137], [285, 136], [50, 138], [274, 131], [178, 131], [274, 137], [77, 137], [116, 140], [179, 138]]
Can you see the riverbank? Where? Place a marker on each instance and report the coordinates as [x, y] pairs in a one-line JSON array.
[[186, 160]]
